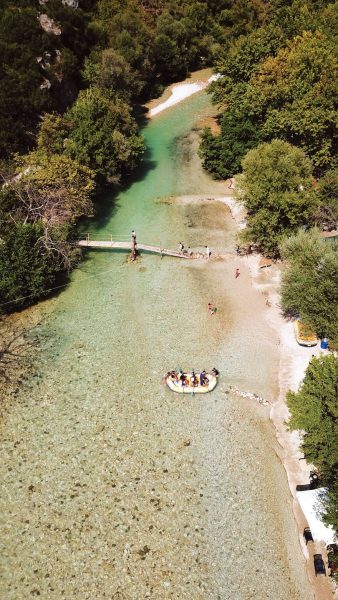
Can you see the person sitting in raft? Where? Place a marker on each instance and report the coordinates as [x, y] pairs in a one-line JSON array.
[[203, 378], [174, 376], [214, 372], [193, 379]]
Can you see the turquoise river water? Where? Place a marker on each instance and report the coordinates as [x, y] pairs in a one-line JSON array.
[[113, 486]]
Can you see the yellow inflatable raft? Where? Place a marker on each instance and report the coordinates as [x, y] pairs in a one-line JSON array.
[[304, 335], [189, 388]]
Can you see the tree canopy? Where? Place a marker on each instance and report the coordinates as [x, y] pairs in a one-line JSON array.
[[310, 282], [103, 135], [314, 410], [278, 82], [277, 191]]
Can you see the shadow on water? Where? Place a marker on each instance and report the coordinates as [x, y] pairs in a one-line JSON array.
[[107, 203]]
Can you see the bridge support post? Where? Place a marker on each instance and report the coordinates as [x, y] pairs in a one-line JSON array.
[[134, 251]]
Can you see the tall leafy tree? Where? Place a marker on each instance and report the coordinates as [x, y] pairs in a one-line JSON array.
[[277, 191], [27, 267], [327, 191], [310, 282], [295, 96], [314, 410], [110, 72], [103, 135]]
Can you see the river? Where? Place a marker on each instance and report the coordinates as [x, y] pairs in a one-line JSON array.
[[113, 486]]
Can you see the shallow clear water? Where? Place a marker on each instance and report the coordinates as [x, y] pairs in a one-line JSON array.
[[114, 487]]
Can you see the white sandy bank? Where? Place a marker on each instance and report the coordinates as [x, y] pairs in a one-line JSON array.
[[294, 360], [181, 91]]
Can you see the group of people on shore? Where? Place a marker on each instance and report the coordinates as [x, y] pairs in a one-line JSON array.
[[192, 379], [189, 251]]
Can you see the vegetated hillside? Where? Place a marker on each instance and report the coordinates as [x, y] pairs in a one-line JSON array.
[[278, 82], [44, 45], [42, 51]]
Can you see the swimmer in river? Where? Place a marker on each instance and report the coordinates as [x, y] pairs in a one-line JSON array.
[[211, 308]]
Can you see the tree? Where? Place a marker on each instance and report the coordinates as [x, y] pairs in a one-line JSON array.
[[222, 154], [276, 189], [52, 188], [129, 34], [238, 63], [171, 48], [314, 410], [27, 268], [111, 73], [51, 192], [310, 282], [295, 96], [283, 86], [52, 133], [327, 191], [103, 135]]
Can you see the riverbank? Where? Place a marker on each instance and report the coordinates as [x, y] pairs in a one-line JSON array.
[[292, 365], [177, 92], [293, 362]]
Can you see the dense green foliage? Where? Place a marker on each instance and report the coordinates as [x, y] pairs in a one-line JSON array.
[[32, 57], [327, 192], [37, 212], [103, 135], [314, 410], [133, 47], [310, 282], [27, 268], [279, 82], [277, 191]]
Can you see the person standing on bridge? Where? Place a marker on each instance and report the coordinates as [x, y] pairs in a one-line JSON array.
[[180, 247], [133, 235], [208, 251]]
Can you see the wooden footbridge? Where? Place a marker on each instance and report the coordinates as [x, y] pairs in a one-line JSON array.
[[132, 245]]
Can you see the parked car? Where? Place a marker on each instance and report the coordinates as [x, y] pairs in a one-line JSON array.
[[319, 564]]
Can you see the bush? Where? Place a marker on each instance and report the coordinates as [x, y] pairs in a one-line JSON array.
[[310, 282], [276, 189]]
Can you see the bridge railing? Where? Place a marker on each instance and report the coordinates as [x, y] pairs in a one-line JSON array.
[[101, 237], [195, 249], [108, 237]]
